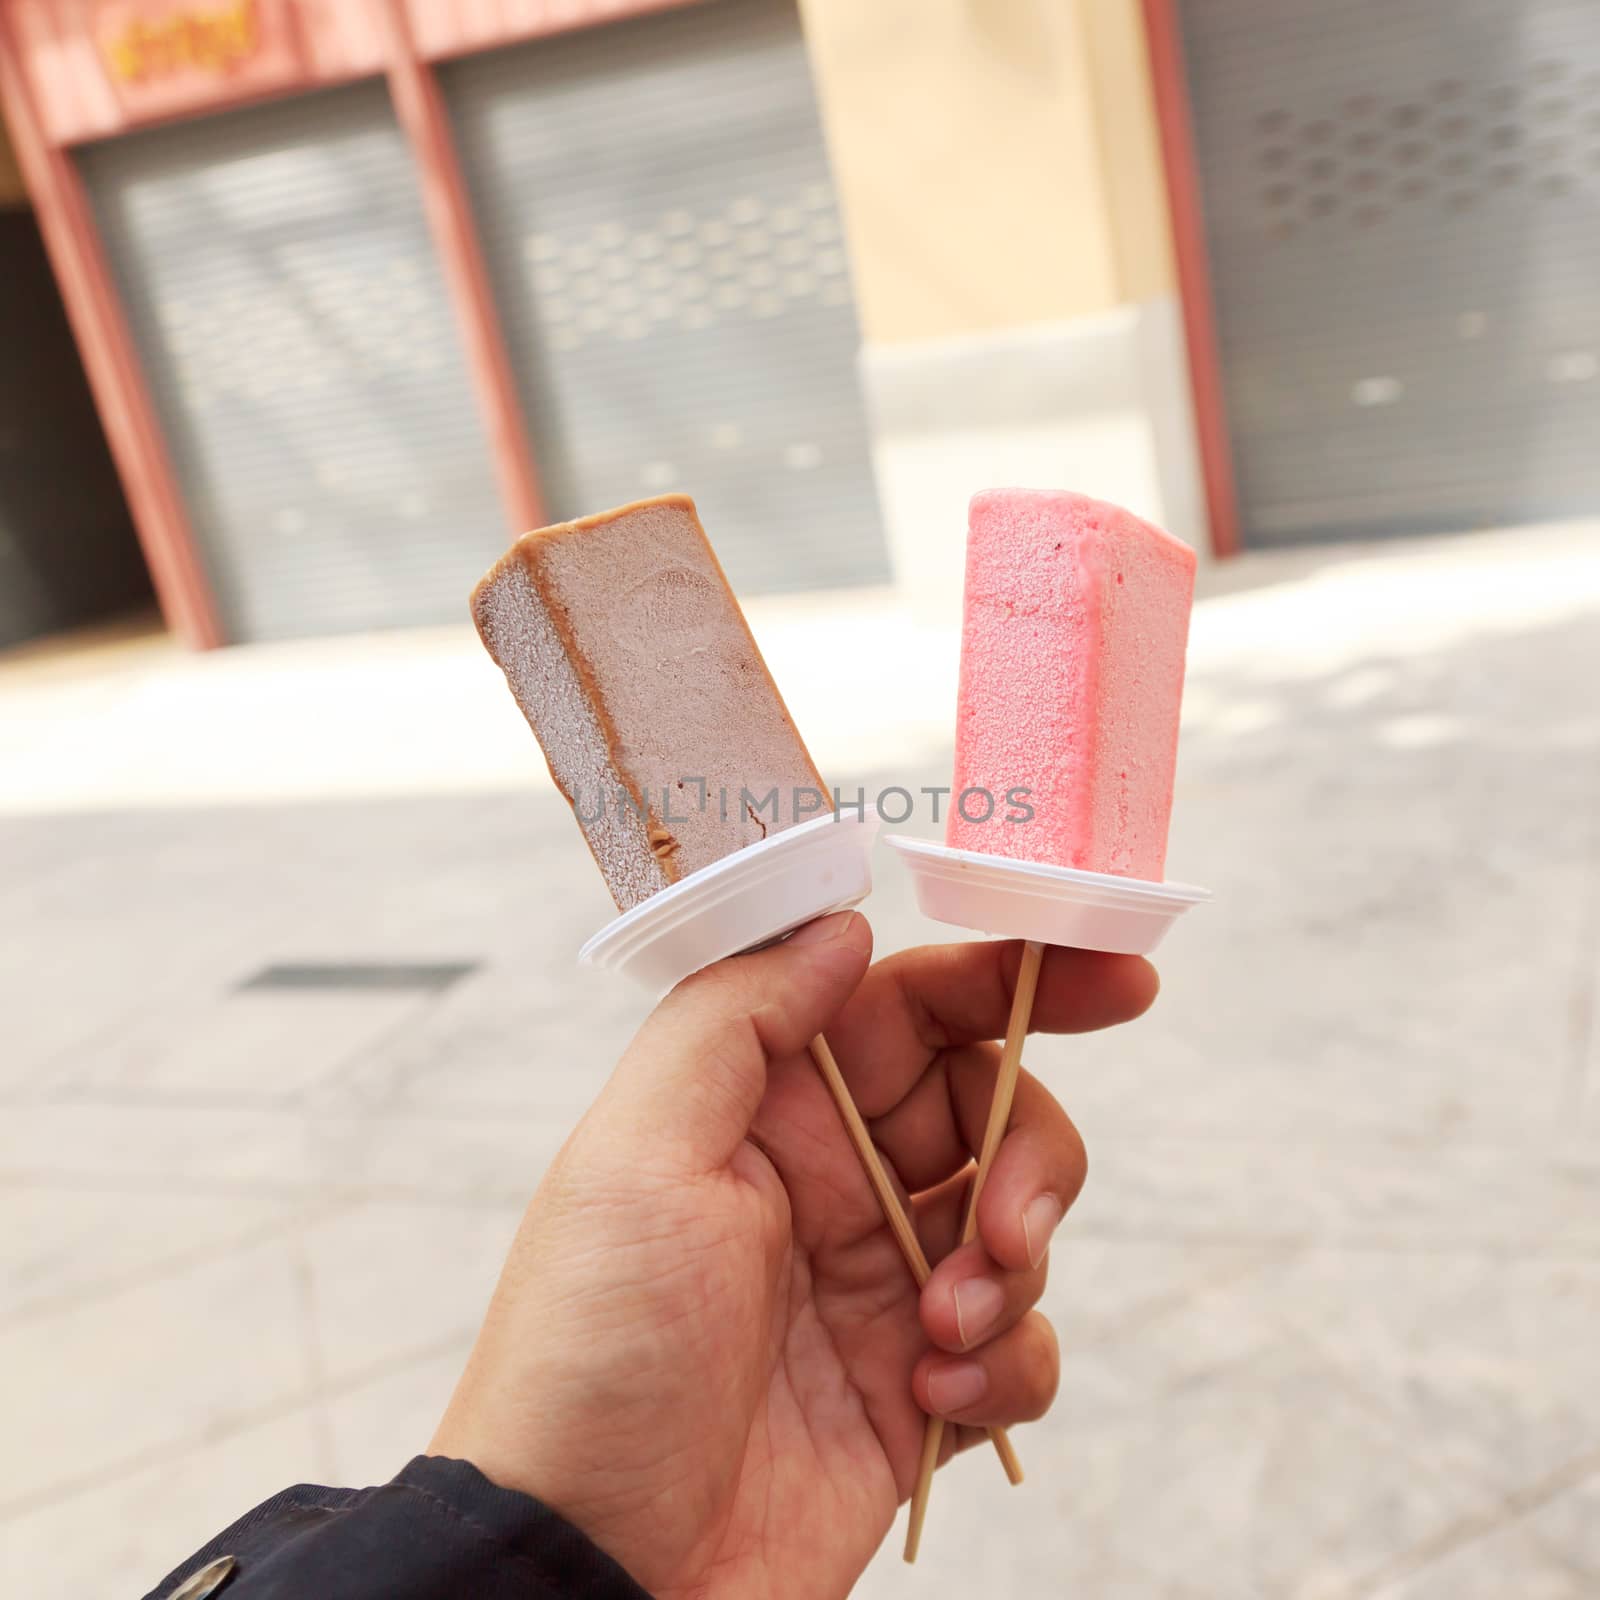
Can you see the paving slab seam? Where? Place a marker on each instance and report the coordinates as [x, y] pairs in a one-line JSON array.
[[132, 1098], [1586, 985], [314, 1355], [318, 1103], [1508, 1506], [1508, 1510], [468, 1198], [164, 1268], [368, 1050], [50, 1070], [1512, 1247], [237, 1423]]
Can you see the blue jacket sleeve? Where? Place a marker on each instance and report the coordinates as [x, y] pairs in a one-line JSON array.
[[438, 1529]]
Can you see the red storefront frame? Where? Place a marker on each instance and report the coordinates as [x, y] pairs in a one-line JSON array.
[[75, 70], [1176, 128]]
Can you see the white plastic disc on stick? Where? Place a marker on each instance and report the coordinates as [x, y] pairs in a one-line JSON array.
[[747, 899], [1038, 900]]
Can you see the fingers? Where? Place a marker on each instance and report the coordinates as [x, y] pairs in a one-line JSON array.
[[935, 1131], [969, 1301], [692, 1078], [1037, 1173], [919, 1003], [1011, 1379], [983, 1287], [921, 1133], [790, 991]]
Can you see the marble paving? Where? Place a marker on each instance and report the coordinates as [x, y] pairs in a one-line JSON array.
[[1330, 1302]]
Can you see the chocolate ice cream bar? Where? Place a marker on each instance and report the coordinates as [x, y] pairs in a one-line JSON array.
[[630, 658]]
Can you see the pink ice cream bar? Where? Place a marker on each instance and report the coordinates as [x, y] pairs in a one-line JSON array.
[[1076, 620]]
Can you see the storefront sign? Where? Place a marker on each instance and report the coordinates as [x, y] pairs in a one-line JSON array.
[[164, 56], [201, 41]]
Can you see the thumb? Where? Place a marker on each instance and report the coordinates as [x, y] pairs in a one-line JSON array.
[[690, 1082]]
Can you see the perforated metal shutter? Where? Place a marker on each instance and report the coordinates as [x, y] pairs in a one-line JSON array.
[[1403, 208], [288, 308], [664, 243]]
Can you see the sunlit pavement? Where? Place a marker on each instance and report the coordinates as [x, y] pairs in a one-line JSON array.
[[1328, 1303]]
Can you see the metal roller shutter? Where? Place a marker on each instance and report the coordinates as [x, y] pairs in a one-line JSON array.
[[662, 234], [286, 302], [1402, 201]]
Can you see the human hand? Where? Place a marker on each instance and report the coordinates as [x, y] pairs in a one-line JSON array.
[[706, 1350]]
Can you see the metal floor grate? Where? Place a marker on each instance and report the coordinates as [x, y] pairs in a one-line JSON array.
[[370, 975]]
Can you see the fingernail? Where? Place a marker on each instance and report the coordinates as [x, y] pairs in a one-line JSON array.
[[823, 931], [956, 1385], [978, 1304], [1040, 1218]]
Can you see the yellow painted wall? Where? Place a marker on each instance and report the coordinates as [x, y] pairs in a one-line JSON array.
[[996, 159], [1130, 146]]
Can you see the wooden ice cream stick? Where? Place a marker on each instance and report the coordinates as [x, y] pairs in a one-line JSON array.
[[1005, 1089], [894, 1213]]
